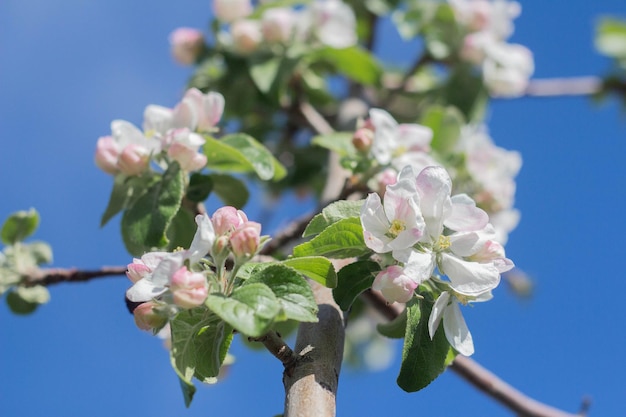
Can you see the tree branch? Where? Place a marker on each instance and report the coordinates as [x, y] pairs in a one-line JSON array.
[[277, 347], [58, 275], [311, 383], [479, 377], [555, 87]]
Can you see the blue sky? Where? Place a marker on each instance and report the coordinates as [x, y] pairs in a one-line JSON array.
[[70, 67]]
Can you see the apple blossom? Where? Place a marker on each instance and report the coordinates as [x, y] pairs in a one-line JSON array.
[[277, 24], [156, 282], [246, 35], [127, 150], [146, 318], [231, 10], [334, 23], [394, 284], [392, 139], [507, 68], [186, 44], [226, 219], [183, 146], [245, 240], [189, 289], [203, 239], [395, 224]]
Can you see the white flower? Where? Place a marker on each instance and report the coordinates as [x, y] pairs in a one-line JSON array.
[[450, 252], [203, 239], [395, 224], [231, 10], [392, 139], [334, 23], [507, 68]]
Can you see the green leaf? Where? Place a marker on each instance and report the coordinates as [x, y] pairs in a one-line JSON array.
[[251, 309], [355, 62], [242, 153], [340, 142], [263, 73], [331, 214], [200, 186], [145, 223], [446, 123], [611, 37], [422, 359], [353, 279], [395, 329], [265, 165], [25, 300], [343, 239], [124, 193], [291, 289], [317, 268], [188, 390], [232, 191], [200, 342], [181, 230], [19, 226]]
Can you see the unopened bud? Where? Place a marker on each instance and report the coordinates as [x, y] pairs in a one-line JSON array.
[[245, 240], [186, 43], [363, 139], [189, 289], [133, 160], [107, 154], [146, 318]]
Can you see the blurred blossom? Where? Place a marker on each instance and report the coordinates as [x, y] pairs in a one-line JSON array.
[[186, 44], [245, 240], [507, 69], [231, 10], [226, 219], [334, 23], [277, 24], [246, 35]]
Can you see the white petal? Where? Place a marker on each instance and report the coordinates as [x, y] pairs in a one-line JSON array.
[[152, 259], [384, 136], [419, 266], [467, 243], [375, 224], [414, 137], [157, 118], [203, 239], [456, 330], [465, 216], [144, 290], [469, 278], [434, 186], [437, 313], [165, 270]]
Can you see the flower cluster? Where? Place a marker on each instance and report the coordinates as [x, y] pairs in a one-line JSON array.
[[426, 230], [393, 145], [506, 67], [329, 22], [168, 135], [167, 281]]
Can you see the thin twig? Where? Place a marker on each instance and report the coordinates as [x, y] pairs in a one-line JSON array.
[[554, 87], [277, 347]]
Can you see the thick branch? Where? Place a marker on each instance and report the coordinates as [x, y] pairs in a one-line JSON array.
[[481, 378], [311, 384]]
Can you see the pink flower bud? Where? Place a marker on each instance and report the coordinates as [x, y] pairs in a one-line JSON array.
[[186, 43], [230, 10], [146, 318], [245, 240], [107, 153], [189, 159], [137, 270], [246, 35], [133, 160], [226, 219], [277, 24], [362, 139], [394, 284], [189, 289]]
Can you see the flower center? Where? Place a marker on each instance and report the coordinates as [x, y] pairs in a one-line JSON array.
[[443, 243], [397, 227]]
